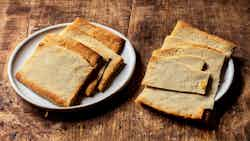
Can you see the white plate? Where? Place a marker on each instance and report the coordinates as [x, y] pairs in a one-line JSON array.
[[227, 80], [25, 49]]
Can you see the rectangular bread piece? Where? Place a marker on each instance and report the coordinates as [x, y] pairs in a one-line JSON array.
[[110, 40], [214, 58], [189, 33], [195, 62], [168, 74], [191, 106], [58, 68], [104, 43], [195, 105], [169, 101]]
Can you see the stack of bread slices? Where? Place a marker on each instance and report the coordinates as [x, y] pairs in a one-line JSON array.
[[80, 60], [183, 76]]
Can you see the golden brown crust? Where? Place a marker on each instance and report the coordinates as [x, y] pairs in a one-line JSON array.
[[176, 57], [207, 47], [180, 43], [43, 92], [181, 24], [198, 115], [159, 58], [154, 59], [89, 91], [91, 88], [91, 56], [106, 78], [187, 32], [173, 50], [165, 51], [109, 39], [112, 69]]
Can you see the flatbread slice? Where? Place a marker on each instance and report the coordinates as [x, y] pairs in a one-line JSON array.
[[171, 102], [104, 43], [195, 105], [175, 103], [189, 33], [214, 59], [58, 68], [107, 38], [170, 74], [188, 60]]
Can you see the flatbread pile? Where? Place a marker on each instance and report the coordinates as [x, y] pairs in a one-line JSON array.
[[183, 76], [82, 57]]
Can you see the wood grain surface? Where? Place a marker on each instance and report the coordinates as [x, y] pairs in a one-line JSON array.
[[145, 23]]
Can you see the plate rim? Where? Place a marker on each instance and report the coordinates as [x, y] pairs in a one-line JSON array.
[[74, 107], [230, 65]]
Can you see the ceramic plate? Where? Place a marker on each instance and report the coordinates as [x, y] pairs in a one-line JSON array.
[[227, 80], [25, 49]]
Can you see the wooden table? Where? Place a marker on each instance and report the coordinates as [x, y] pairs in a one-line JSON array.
[[145, 23]]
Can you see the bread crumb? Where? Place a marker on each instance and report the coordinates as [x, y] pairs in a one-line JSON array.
[[46, 114]]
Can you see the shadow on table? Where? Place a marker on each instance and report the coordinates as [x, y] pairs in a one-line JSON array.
[[105, 106], [211, 119], [226, 102]]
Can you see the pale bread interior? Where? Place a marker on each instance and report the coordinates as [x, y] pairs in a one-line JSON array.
[[196, 62], [187, 32], [170, 74], [57, 70]]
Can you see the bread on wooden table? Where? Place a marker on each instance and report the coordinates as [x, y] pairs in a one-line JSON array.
[[187, 32], [169, 74], [192, 105], [180, 104], [175, 103], [104, 43], [58, 68]]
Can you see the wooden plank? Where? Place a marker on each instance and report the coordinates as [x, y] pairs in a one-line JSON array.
[[16, 116], [15, 18], [114, 14]]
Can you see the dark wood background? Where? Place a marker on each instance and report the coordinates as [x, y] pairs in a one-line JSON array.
[[145, 23]]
